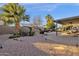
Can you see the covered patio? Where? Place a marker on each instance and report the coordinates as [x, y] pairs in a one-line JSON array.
[[69, 25]]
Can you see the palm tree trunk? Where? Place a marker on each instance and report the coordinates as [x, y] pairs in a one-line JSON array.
[[17, 25]]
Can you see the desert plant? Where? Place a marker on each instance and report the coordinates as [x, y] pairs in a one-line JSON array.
[[13, 13], [31, 32]]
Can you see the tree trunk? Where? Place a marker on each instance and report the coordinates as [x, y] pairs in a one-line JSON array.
[[17, 25]]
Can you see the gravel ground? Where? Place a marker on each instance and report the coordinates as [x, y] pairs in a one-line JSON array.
[[24, 46], [21, 47]]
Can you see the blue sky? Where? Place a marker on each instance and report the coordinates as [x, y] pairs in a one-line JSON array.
[[57, 10]]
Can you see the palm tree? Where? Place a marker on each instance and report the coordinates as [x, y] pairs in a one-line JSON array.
[[13, 13]]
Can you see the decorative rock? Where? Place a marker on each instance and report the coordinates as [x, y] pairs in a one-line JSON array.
[[1, 46], [15, 39]]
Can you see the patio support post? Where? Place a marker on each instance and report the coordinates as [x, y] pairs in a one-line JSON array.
[[56, 29]]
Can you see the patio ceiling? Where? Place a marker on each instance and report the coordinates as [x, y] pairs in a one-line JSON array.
[[64, 21]]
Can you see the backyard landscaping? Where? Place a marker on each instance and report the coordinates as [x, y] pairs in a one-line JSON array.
[[35, 38]]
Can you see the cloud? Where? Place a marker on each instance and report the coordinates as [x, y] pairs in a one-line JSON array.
[[44, 7], [71, 4], [49, 8]]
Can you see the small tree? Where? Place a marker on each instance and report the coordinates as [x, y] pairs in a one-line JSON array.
[[50, 22], [37, 21]]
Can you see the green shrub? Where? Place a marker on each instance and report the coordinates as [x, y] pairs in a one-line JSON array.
[[31, 32]]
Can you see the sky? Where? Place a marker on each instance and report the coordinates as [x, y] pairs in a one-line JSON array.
[[56, 10]]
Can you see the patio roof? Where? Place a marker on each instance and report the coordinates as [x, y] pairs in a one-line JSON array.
[[68, 20]]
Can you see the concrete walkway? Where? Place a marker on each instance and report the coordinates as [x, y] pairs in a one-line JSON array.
[[71, 40]]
